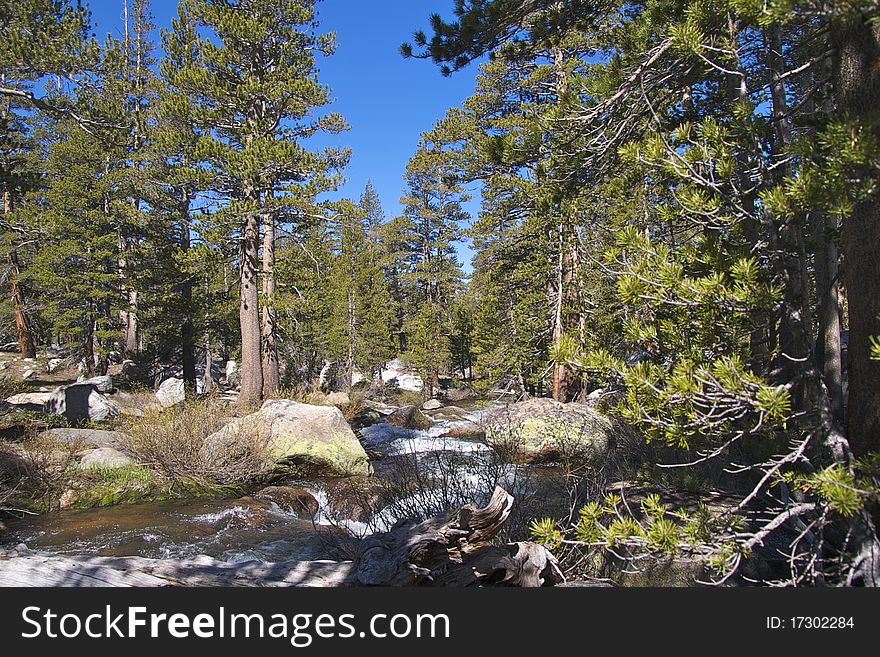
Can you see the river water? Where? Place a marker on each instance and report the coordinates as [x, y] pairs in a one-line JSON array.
[[429, 474]]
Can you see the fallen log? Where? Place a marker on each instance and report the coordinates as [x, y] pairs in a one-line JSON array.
[[453, 549]]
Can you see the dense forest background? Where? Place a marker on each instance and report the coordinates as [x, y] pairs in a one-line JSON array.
[[679, 215]]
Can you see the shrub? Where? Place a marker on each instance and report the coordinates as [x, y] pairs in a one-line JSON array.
[[175, 442]]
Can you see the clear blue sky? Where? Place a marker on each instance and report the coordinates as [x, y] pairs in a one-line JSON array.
[[389, 101]]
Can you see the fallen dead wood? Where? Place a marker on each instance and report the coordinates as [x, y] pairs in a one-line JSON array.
[[454, 549]]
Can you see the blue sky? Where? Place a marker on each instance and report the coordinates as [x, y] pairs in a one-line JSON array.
[[388, 100]]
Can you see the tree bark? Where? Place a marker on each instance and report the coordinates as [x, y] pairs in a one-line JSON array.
[[26, 345], [271, 370], [856, 75], [828, 358], [249, 312], [188, 338]]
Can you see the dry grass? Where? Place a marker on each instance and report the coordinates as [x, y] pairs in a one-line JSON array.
[[33, 471], [10, 386], [175, 441]]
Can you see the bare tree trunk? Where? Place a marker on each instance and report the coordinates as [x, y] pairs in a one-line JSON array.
[[827, 267], [249, 312], [188, 338], [271, 371], [856, 75], [26, 346]]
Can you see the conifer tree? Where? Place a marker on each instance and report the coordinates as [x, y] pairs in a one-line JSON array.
[[430, 226], [256, 85], [40, 39], [360, 322]]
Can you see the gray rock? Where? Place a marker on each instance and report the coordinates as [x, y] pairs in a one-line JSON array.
[[80, 402], [465, 429], [382, 409], [30, 398], [338, 399], [449, 413], [170, 392], [316, 438], [105, 457], [102, 383], [459, 394], [88, 437], [544, 430], [232, 373], [290, 499], [134, 373], [409, 417], [54, 364], [432, 405]]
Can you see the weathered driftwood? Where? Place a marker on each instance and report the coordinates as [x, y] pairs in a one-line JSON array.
[[450, 550], [455, 550]]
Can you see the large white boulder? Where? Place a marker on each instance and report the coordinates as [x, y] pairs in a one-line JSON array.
[[105, 457], [170, 392], [102, 383], [543, 430], [315, 438]]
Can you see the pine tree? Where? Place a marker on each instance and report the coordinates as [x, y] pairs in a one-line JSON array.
[[256, 83], [361, 319], [430, 226], [40, 39]]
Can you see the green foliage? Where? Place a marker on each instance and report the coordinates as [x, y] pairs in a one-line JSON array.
[[843, 490]]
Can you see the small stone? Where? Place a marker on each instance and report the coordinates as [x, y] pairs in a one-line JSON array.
[[68, 499]]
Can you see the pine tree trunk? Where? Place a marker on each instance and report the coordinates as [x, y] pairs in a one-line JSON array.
[[271, 372], [828, 357], [561, 373], [188, 338], [249, 312], [826, 258], [856, 75], [207, 379], [351, 339], [89, 347], [26, 345]]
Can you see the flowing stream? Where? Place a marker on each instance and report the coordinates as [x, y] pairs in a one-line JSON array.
[[435, 473]]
